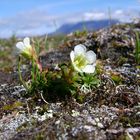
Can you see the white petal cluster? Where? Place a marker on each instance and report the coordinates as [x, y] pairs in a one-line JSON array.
[[83, 60], [24, 47]]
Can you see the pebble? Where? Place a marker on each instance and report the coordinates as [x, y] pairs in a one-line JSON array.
[[75, 113], [97, 120], [93, 122], [50, 113], [89, 128], [100, 125], [57, 122]]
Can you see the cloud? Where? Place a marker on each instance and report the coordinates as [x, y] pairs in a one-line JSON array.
[[27, 23], [94, 15], [126, 15], [39, 21], [119, 12]]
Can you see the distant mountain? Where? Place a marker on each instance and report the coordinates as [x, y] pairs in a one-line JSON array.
[[88, 25]]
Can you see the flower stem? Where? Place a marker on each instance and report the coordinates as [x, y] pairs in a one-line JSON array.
[[35, 71], [20, 75]]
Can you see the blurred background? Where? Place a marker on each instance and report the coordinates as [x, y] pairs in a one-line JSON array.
[[47, 22], [32, 17]]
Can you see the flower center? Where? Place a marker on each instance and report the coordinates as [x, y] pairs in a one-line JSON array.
[[80, 61]]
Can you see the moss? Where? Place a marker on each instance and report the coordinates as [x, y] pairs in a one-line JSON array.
[[122, 60], [39, 137], [138, 67], [23, 127], [117, 79], [16, 104], [124, 137], [80, 33]]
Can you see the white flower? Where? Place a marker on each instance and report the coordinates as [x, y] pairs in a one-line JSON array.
[[83, 60], [25, 48]]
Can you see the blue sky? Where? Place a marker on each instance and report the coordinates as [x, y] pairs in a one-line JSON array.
[[36, 17]]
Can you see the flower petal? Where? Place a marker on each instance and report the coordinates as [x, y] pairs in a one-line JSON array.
[[91, 57], [89, 69], [72, 56], [20, 46], [26, 41], [80, 49]]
